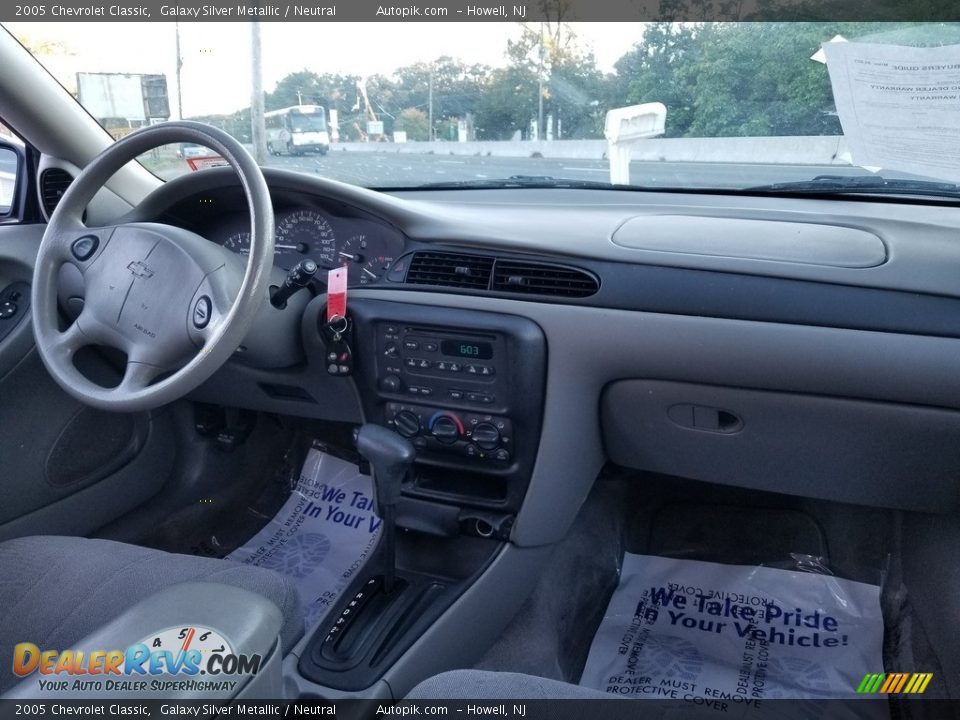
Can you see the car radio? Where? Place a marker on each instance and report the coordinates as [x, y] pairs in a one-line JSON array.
[[449, 389]]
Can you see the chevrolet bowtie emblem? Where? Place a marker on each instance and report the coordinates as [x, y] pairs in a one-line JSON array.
[[140, 269]]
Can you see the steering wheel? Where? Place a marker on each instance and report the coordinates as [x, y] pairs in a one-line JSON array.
[[175, 303]]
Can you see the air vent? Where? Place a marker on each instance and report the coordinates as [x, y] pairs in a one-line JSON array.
[[471, 272], [53, 184], [541, 279]]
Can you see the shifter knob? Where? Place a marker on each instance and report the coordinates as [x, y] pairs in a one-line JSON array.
[[390, 456]]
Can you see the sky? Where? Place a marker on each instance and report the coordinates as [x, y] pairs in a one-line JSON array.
[[216, 66]]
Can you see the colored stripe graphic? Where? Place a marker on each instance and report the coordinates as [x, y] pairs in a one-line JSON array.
[[894, 683]]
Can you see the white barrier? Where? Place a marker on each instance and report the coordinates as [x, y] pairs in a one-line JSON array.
[[794, 150], [624, 129]]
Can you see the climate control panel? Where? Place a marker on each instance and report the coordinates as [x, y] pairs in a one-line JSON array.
[[476, 436]]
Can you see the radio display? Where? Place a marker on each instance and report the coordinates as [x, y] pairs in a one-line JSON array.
[[467, 349]]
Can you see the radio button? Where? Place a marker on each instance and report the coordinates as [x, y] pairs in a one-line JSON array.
[[411, 345], [456, 394], [486, 370], [426, 391], [455, 367], [424, 363], [430, 347], [442, 365]]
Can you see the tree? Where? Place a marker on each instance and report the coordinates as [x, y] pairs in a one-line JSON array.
[[508, 102], [414, 123], [306, 87], [657, 70]]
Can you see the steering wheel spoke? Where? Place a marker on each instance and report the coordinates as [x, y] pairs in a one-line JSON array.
[[137, 377], [66, 344]]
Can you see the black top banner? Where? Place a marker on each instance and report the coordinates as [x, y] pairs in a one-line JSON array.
[[483, 11]]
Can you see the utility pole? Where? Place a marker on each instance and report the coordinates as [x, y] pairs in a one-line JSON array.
[[257, 123], [430, 104], [299, 97], [176, 29]]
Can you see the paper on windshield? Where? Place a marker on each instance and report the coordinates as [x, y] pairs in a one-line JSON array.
[[899, 106], [322, 535], [734, 635]]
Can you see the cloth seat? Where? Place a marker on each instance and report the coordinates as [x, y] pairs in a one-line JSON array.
[[486, 685], [54, 591]]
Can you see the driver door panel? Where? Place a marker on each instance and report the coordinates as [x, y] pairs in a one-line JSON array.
[[65, 468]]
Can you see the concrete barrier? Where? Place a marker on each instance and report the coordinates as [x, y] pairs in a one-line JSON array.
[[799, 150]]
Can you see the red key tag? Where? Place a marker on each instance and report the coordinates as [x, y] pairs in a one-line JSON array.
[[336, 294]]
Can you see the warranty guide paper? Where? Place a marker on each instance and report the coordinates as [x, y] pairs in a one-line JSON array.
[[899, 106], [734, 636], [322, 535]]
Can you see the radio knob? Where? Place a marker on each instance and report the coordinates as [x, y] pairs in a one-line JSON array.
[[446, 429], [486, 436], [407, 423], [390, 350], [390, 384]]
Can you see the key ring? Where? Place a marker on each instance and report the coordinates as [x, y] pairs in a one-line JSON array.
[[336, 319]]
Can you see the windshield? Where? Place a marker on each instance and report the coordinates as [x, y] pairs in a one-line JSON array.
[[301, 123], [733, 106]]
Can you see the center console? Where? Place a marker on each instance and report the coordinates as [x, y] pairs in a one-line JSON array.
[[453, 402], [465, 387]]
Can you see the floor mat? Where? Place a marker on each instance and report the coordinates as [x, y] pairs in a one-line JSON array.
[[684, 629], [734, 534], [322, 535]]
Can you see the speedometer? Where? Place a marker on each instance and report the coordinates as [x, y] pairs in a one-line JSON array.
[[306, 232]]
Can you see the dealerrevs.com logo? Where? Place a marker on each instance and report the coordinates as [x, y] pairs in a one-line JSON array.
[[176, 659]]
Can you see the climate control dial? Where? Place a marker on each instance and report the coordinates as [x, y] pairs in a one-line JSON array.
[[486, 436], [407, 423], [446, 427]]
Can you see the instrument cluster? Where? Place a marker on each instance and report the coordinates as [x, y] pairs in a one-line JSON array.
[[365, 247]]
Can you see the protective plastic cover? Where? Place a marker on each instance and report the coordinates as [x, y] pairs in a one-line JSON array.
[[322, 535], [712, 633]]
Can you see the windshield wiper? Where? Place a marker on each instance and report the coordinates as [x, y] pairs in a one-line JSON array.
[[519, 181], [876, 184]]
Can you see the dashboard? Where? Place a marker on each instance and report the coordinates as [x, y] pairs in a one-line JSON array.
[[331, 234]]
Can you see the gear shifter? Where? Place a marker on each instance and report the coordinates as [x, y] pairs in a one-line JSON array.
[[390, 456]]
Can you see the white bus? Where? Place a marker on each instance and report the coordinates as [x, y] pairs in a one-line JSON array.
[[297, 130]]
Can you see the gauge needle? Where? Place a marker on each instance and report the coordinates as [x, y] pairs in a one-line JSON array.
[[284, 247], [348, 256], [371, 274]]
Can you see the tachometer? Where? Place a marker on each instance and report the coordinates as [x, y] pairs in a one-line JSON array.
[[239, 243], [306, 232], [365, 261]]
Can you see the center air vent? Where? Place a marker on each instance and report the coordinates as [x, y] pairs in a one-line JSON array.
[[541, 279], [53, 184], [471, 272]]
